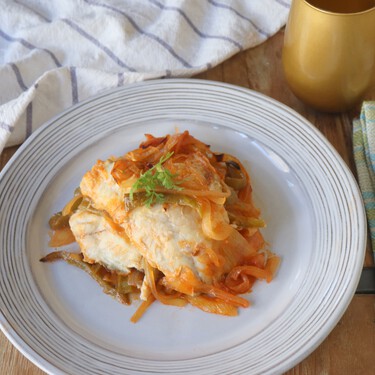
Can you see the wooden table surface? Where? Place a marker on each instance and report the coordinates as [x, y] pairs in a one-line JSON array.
[[350, 347]]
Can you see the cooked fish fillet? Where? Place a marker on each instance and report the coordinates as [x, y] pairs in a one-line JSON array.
[[106, 194], [170, 238], [104, 242], [99, 185]]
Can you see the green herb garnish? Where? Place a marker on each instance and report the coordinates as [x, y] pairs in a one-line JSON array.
[[155, 177]]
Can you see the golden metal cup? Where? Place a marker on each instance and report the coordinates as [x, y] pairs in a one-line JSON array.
[[329, 52]]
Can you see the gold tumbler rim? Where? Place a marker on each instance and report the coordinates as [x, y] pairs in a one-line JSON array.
[[307, 2]]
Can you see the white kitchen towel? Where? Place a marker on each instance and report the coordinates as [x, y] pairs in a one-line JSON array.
[[54, 54]]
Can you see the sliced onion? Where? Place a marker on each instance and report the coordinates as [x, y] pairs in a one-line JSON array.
[[212, 305], [215, 222]]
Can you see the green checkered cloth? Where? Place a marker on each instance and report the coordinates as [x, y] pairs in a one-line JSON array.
[[364, 156]]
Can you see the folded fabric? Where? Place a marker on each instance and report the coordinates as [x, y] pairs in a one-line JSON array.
[[364, 156], [57, 53]]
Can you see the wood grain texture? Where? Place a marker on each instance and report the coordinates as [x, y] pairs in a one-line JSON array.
[[350, 347]]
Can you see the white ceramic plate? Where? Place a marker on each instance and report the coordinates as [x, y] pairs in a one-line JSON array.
[[60, 319]]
